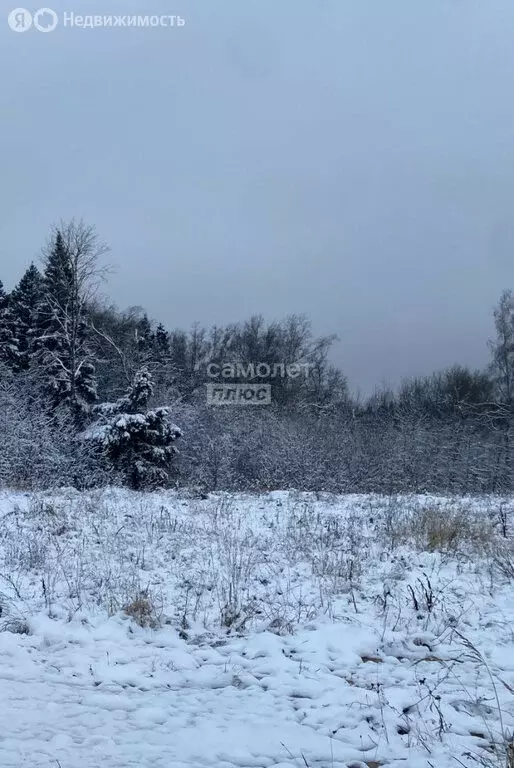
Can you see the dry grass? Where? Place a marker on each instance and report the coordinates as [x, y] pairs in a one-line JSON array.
[[142, 610], [502, 558], [436, 529]]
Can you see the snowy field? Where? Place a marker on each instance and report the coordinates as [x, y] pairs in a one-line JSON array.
[[286, 630]]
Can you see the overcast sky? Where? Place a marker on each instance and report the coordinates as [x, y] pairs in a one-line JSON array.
[[349, 159]]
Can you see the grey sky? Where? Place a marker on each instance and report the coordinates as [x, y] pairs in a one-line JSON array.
[[353, 160]]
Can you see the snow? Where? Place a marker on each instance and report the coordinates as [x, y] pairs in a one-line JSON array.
[[325, 663]]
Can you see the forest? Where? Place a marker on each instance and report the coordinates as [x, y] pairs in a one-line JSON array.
[[91, 395]]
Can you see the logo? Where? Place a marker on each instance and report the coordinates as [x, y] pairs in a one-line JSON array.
[[44, 20], [20, 20]]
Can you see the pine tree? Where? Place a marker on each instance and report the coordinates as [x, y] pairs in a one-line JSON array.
[[138, 394], [26, 306], [162, 343], [8, 341], [144, 341], [139, 442], [58, 277]]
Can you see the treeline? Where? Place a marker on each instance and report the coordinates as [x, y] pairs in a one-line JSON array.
[[91, 395]]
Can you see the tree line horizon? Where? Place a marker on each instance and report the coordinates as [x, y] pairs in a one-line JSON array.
[[93, 395]]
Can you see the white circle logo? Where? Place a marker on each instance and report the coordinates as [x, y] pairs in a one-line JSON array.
[[20, 20], [45, 20]]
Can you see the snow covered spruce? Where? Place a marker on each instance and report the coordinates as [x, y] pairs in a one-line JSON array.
[[137, 442]]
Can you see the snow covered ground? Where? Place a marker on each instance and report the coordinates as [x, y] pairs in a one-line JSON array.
[[278, 630]]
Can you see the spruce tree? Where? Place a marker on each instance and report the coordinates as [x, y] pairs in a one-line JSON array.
[[58, 277], [138, 442], [161, 343], [26, 302], [144, 341], [8, 341], [64, 352]]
